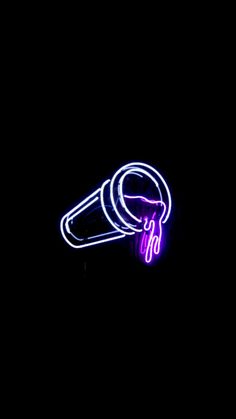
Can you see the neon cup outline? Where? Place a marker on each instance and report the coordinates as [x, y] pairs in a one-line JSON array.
[[111, 199]]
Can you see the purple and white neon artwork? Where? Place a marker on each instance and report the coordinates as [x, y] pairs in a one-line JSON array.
[[135, 201]]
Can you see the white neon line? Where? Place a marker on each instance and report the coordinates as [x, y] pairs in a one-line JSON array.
[[121, 236], [143, 198], [158, 174], [94, 242], [122, 194], [90, 237], [117, 212], [103, 234], [106, 213], [83, 202], [62, 232], [73, 213], [132, 170], [82, 209]]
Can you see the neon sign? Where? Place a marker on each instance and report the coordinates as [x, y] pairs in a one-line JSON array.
[[135, 201]]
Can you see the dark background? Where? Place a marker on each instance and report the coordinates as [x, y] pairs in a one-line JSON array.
[[94, 102], [101, 106], [82, 160], [101, 301], [89, 102], [82, 174], [107, 283]]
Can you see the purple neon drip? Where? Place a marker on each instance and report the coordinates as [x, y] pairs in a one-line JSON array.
[[143, 244], [150, 242]]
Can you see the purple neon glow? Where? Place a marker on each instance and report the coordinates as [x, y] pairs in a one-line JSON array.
[[150, 242], [145, 221], [152, 230], [143, 198]]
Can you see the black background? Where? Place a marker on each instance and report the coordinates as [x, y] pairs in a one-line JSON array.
[[70, 185], [94, 104], [89, 92], [100, 107], [89, 150], [100, 305]]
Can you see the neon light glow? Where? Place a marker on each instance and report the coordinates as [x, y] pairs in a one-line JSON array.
[[122, 212], [152, 230]]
